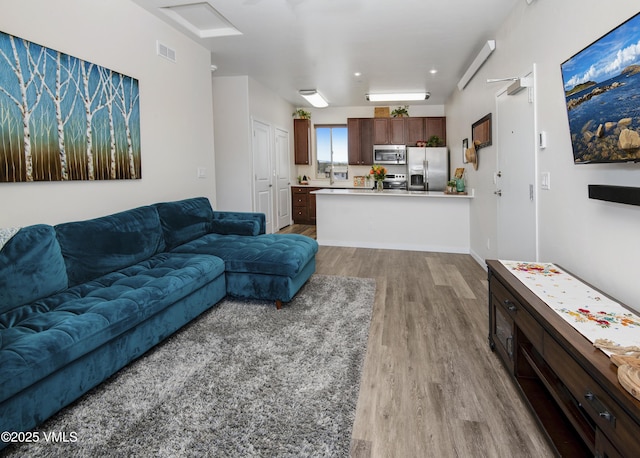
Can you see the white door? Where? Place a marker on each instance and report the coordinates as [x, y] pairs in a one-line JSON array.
[[263, 187], [283, 181], [516, 192]]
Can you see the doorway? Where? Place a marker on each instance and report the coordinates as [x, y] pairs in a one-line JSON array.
[[516, 191]]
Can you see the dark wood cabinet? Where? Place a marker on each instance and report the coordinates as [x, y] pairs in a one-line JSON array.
[[407, 131], [414, 130], [360, 141], [303, 204], [571, 386], [302, 139], [380, 131], [436, 125], [388, 131], [396, 131]]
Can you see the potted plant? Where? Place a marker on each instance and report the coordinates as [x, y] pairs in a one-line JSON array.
[[301, 114], [401, 112], [451, 187], [434, 140]]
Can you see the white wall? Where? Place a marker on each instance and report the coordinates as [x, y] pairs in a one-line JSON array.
[[236, 101], [595, 240], [232, 133], [175, 107]]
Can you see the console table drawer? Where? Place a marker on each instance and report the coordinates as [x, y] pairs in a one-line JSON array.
[[526, 323], [604, 411]]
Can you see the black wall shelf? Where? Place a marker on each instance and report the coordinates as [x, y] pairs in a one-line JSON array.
[[619, 194]]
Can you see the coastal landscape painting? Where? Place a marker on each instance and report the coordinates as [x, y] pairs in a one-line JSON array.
[[602, 90], [63, 118]]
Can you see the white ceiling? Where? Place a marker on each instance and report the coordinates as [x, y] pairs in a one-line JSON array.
[[288, 45]]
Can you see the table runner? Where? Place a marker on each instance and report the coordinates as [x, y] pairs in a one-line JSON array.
[[592, 314]]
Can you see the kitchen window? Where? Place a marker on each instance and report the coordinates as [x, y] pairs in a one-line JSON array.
[[331, 152]]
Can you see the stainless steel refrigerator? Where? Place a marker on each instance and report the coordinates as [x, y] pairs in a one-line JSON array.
[[427, 169]]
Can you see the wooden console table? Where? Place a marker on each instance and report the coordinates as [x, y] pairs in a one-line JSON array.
[[571, 386]]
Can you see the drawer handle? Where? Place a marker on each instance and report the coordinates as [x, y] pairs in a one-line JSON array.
[[600, 408], [510, 305]]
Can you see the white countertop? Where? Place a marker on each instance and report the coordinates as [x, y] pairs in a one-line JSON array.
[[391, 193]]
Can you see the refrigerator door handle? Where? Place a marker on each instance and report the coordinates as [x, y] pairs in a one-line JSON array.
[[425, 174]]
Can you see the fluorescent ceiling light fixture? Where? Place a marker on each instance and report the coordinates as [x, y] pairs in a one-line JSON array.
[[398, 96], [201, 19], [314, 98], [480, 59]]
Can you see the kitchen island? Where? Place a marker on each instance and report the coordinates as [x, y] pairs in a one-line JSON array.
[[389, 219]]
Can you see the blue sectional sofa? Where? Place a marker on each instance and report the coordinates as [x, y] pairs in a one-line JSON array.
[[80, 300]]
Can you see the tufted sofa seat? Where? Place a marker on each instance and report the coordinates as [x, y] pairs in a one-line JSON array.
[[40, 337]]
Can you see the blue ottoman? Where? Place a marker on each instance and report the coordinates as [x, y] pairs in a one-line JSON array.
[[267, 266]]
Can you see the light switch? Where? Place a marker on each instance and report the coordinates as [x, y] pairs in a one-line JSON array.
[[545, 180], [202, 172]]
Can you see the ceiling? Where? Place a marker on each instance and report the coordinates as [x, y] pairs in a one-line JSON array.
[[289, 45]]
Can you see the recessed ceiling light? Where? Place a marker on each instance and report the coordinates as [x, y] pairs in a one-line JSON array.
[[433, 71], [357, 74]]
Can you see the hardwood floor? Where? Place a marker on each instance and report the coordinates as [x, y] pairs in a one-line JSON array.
[[431, 387]]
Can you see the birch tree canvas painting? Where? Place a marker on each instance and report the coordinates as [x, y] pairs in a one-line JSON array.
[[63, 118]]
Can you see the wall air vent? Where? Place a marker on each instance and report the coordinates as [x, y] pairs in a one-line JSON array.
[[165, 51]]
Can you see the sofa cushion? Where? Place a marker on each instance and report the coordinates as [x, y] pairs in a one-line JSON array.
[[236, 227], [238, 223], [98, 246], [31, 267], [273, 254], [184, 220], [44, 336]]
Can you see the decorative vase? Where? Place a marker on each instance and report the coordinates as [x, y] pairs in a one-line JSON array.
[[460, 185], [379, 185]]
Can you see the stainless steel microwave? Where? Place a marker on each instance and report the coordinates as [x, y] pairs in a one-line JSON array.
[[389, 154]]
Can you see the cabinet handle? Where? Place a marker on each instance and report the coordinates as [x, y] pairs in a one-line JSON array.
[[510, 305], [600, 408]]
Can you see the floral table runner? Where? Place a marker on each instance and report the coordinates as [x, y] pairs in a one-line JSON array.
[[593, 315]]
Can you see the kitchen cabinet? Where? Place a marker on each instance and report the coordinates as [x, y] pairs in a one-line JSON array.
[[571, 386], [408, 131], [303, 204], [360, 141], [302, 141], [388, 131], [414, 130], [436, 125]]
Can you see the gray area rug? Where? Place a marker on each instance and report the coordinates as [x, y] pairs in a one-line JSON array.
[[242, 380]]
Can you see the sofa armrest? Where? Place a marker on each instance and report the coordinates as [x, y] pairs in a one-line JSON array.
[[238, 223]]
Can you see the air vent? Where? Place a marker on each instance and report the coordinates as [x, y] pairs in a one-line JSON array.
[[165, 51]]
